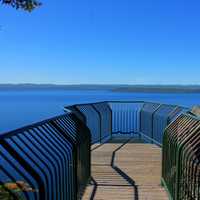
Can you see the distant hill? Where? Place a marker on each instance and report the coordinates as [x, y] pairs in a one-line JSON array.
[[55, 87], [160, 88], [113, 88]]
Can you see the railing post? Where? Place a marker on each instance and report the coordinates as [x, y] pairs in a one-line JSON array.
[[177, 174], [79, 114], [152, 125], [111, 119], [100, 122], [140, 129]]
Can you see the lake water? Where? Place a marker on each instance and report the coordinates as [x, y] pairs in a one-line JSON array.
[[19, 108]]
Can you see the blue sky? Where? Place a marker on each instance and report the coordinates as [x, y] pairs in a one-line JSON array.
[[102, 41]]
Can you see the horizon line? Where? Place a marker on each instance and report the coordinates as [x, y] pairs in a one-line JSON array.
[[103, 84]]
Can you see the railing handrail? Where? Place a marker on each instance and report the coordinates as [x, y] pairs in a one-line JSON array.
[[21, 129], [123, 101]]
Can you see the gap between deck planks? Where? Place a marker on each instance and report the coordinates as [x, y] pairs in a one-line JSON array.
[[128, 170]]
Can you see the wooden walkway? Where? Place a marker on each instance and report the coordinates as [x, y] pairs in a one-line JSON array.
[[125, 171]]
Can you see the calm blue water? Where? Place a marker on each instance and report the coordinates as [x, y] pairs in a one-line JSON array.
[[19, 108]]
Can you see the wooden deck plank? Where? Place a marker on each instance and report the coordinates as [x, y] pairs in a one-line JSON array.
[[126, 171]]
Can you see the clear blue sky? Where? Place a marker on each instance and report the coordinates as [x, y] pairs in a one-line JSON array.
[[102, 41]]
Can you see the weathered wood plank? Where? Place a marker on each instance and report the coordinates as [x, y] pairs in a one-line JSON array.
[[126, 171]]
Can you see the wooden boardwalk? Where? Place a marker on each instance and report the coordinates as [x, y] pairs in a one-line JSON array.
[[126, 171]]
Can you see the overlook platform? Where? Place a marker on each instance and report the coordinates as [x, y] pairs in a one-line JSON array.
[[102, 151], [125, 170]]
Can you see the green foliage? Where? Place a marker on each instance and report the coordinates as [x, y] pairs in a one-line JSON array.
[[6, 195], [14, 190], [27, 5]]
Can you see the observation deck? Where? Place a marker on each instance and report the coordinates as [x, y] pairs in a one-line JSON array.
[[105, 150]]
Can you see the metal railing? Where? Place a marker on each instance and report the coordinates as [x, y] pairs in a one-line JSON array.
[[116, 118], [125, 117], [46, 160], [181, 158], [51, 159]]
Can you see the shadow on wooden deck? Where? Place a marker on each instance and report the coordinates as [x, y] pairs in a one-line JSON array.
[[116, 164], [118, 170]]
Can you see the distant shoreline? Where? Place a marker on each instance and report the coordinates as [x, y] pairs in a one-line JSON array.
[[158, 90], [112, 88]]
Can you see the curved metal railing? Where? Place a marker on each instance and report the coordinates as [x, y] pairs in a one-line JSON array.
[[116, 118], [51, 159], [46, 160], [181, 158]]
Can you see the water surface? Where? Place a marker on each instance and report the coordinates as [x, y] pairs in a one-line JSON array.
[[19, 108]]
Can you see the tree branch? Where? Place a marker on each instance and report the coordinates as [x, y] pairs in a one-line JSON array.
[[27, 5]]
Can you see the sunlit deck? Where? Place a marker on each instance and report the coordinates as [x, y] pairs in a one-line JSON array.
[[125, 170]]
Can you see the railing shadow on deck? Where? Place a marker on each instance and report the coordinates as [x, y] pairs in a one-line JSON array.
[[118, 170]]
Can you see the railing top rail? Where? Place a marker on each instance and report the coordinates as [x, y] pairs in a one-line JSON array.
[[125, 101], [98, 102], [192, 115], [30, 126]]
